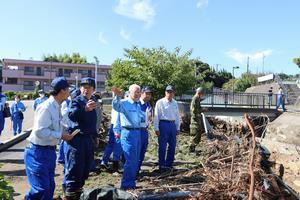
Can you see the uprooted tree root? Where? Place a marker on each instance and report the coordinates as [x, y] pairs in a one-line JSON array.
[[232, 167]]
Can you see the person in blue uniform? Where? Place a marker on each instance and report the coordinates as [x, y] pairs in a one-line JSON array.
[[40, 155], [166, 126], [80, 151], [113, 144], [40, 99], [17, 108], [147, 109], [131, 117], [68, 126], [2, 104]]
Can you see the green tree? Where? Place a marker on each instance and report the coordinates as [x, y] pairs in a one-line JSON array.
[[208, 77], [75, 58], [155, 67], [297, 61], [247, 80]]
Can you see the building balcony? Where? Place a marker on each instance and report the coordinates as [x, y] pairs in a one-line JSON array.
[[10, 73], [12, 87]]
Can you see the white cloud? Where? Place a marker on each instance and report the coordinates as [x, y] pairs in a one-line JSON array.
[[254, 57], [141, 10], [202, 3], [102, 39], [125, 35]]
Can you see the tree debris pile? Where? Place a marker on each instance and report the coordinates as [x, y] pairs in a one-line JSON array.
[[222, 171]]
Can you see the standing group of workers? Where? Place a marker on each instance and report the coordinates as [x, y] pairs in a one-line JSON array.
[[70, 118], [73, 125]]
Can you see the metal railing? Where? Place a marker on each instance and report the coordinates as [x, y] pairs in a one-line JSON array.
[[227, 99]]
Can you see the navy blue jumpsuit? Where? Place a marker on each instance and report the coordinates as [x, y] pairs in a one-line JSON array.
[[79, 151]]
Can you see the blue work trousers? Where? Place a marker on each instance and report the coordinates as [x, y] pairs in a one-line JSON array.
[[166, 138], [40, 169], [79, 156], [130, 142], [17, 124], [2, 120], [144, 145], [113, 146], [280, 102]]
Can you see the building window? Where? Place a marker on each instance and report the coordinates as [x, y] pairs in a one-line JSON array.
[[28, 85], [29, 70], [12, 81], [60, 72], [67, 72], [39, 71], [83, 72], [89, 73]]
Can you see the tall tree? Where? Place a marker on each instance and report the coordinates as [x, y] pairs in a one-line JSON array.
[[75, 58], [155, 67], [297, 61]]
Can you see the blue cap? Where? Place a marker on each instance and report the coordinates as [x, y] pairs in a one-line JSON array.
[[59, 83], [88, 81], [75, 92], [146, 89], [170, 88]]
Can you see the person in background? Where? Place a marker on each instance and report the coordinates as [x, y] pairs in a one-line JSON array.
[[196, 125], [80, 150], [2, 104], [17, 108], [280, 99], [113, 144], [166, 125], [40, 155], [68, 126], [147, 109], [40, 99], [270, 96], [131, 117]]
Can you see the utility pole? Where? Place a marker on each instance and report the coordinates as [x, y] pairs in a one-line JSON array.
[[248, 65], [263, 64], [96, 71]]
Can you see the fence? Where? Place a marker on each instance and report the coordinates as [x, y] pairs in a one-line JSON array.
[[227, 99]]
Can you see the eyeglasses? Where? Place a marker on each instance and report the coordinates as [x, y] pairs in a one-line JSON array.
[[169, 91]]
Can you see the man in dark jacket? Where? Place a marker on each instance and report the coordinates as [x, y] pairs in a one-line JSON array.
[[80, 152]]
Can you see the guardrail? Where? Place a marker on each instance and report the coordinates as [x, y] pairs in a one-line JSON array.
[[226, 99]]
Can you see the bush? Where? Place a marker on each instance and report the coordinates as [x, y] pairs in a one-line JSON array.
[[10, 95], [6, 191]]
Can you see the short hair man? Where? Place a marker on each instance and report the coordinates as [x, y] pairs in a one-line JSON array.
[[131, 117], [80, 150], [166, 125], [147, 109], [40, 99], [40, 155]]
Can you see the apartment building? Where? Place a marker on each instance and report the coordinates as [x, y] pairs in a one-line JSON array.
[[23, 75]]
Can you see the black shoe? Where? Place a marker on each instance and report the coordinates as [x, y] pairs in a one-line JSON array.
[[104, 166], [115, 166]]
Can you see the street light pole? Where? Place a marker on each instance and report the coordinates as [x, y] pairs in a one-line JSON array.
[[96, 71], [233, 68]]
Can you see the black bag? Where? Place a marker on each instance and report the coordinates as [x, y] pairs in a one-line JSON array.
[[6, 111], [20, 114]]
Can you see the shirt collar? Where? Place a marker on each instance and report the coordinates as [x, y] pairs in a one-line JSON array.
[[55, 103], [166, 100], [142, 102], [131, 100]]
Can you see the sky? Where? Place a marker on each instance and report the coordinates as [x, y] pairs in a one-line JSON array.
[[222, 33]]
